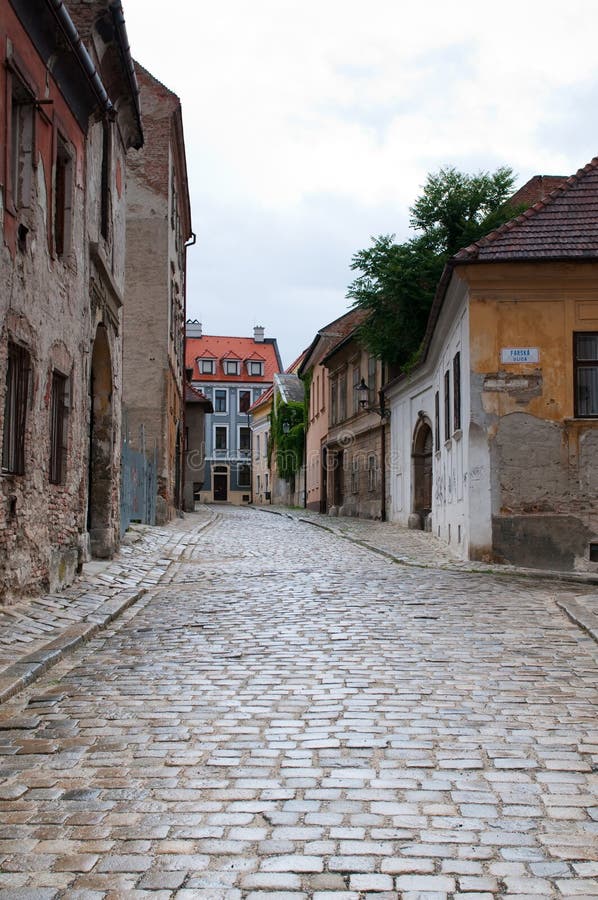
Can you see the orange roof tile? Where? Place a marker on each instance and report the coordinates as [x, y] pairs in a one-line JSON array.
[[222, 347]]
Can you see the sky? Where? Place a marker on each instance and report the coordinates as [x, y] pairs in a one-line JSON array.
[[310, 127]]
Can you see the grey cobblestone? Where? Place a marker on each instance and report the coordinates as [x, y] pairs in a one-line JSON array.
[[285, 714]]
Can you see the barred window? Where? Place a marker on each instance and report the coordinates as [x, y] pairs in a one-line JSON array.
[[447, 405], [15, 409], [457, 391], [58, 429], [372, 472]]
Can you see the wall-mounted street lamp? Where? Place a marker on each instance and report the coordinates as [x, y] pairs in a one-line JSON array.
[[383, 411], [286, 427]]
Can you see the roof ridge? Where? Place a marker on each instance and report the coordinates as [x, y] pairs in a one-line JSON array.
[[471, 251]]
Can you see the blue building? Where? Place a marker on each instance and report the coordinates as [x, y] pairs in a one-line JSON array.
[[232, 372]]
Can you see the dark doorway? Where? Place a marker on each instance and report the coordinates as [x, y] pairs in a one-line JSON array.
[[324, 482], [100, 518], [422, 469], [221, 484]]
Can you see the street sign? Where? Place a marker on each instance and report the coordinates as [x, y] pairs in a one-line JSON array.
[[512, 355]]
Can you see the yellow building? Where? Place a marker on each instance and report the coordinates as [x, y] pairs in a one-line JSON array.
[[494, 435]]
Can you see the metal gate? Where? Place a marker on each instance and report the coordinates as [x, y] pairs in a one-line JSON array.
[[139, 483]]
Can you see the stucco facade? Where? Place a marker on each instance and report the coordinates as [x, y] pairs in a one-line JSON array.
[[497, 428], [158, 228], [62, 268]]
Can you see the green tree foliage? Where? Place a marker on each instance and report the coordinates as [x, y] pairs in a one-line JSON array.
[[397, 282]]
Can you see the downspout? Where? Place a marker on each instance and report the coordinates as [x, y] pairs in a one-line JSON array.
[[83, 56]]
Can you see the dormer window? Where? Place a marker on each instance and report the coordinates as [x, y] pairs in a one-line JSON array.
[[231, 367], [255, 368], [206, 366]]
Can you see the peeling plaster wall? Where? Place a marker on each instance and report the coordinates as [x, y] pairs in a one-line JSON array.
[[543, 461]]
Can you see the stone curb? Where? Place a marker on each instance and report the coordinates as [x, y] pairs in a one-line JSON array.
[[586, 620], [31, 667], [575, 611]]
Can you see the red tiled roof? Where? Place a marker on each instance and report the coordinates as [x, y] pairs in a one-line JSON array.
[[192, 395], [242, 348], [564, 225], [330, 336]]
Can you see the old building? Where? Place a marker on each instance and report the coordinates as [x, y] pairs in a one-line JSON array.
[[158, 229], [315, 375], [261, 457], [197, 406], [70, 116], [495, 432], [356, 444], [232, 372]]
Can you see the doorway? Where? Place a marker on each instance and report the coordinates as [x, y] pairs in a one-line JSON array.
[[220, 484], [422, 454]]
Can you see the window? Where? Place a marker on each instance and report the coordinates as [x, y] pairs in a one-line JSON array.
[[355, 475], [457, 391], [372, 472], [266, 442], [15, 409], [231, 367], [342, 397], [356, 395], [437, 421], [63, 178], [244, 401], [244, 476], [21, 144], [221, 437], [105, 182], [220, 400], [206, 366], [255, 368], [372, 380], [257, 445], [586, 373], [447, 405], [244, 439], [334, 401], [58, 417], [259, 484]]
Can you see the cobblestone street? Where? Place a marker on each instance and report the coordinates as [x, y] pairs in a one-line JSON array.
[[286, 714]]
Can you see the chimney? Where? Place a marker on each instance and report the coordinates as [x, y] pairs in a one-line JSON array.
[[193, 328], [258, 334]]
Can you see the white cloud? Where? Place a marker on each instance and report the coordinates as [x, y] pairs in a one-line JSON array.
[[320, 120]]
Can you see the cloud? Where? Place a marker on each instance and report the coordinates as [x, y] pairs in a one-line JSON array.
[[312, 126]]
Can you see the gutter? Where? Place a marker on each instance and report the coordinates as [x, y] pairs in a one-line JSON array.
[[83, 56], [123, 39]]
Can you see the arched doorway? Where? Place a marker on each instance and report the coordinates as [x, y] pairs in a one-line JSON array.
[[422, 453], [100, 517]]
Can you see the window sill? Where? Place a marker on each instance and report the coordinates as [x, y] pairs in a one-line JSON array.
[[457, 435], [448, 444]]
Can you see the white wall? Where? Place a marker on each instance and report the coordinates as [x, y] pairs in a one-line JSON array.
[[460, 480]]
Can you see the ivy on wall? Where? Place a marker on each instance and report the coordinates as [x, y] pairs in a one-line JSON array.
[[287, 444]]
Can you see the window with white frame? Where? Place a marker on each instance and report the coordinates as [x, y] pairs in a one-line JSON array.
[[255, 367], [220, 398], [244, 401], [206, 366], [221, 437], [244, 439], [231, 367]]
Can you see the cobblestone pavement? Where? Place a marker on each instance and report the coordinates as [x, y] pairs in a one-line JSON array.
[[287, 715]]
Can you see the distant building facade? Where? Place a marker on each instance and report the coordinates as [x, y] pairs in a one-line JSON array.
[[70, 117], [232, 372], [158, 228]]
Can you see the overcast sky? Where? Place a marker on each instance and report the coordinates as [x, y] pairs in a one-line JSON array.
[[311, 126]]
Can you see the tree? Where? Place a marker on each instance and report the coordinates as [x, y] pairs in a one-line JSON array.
[[397, 281]]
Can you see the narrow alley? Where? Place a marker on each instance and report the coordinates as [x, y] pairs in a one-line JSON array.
[[284, 713]]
